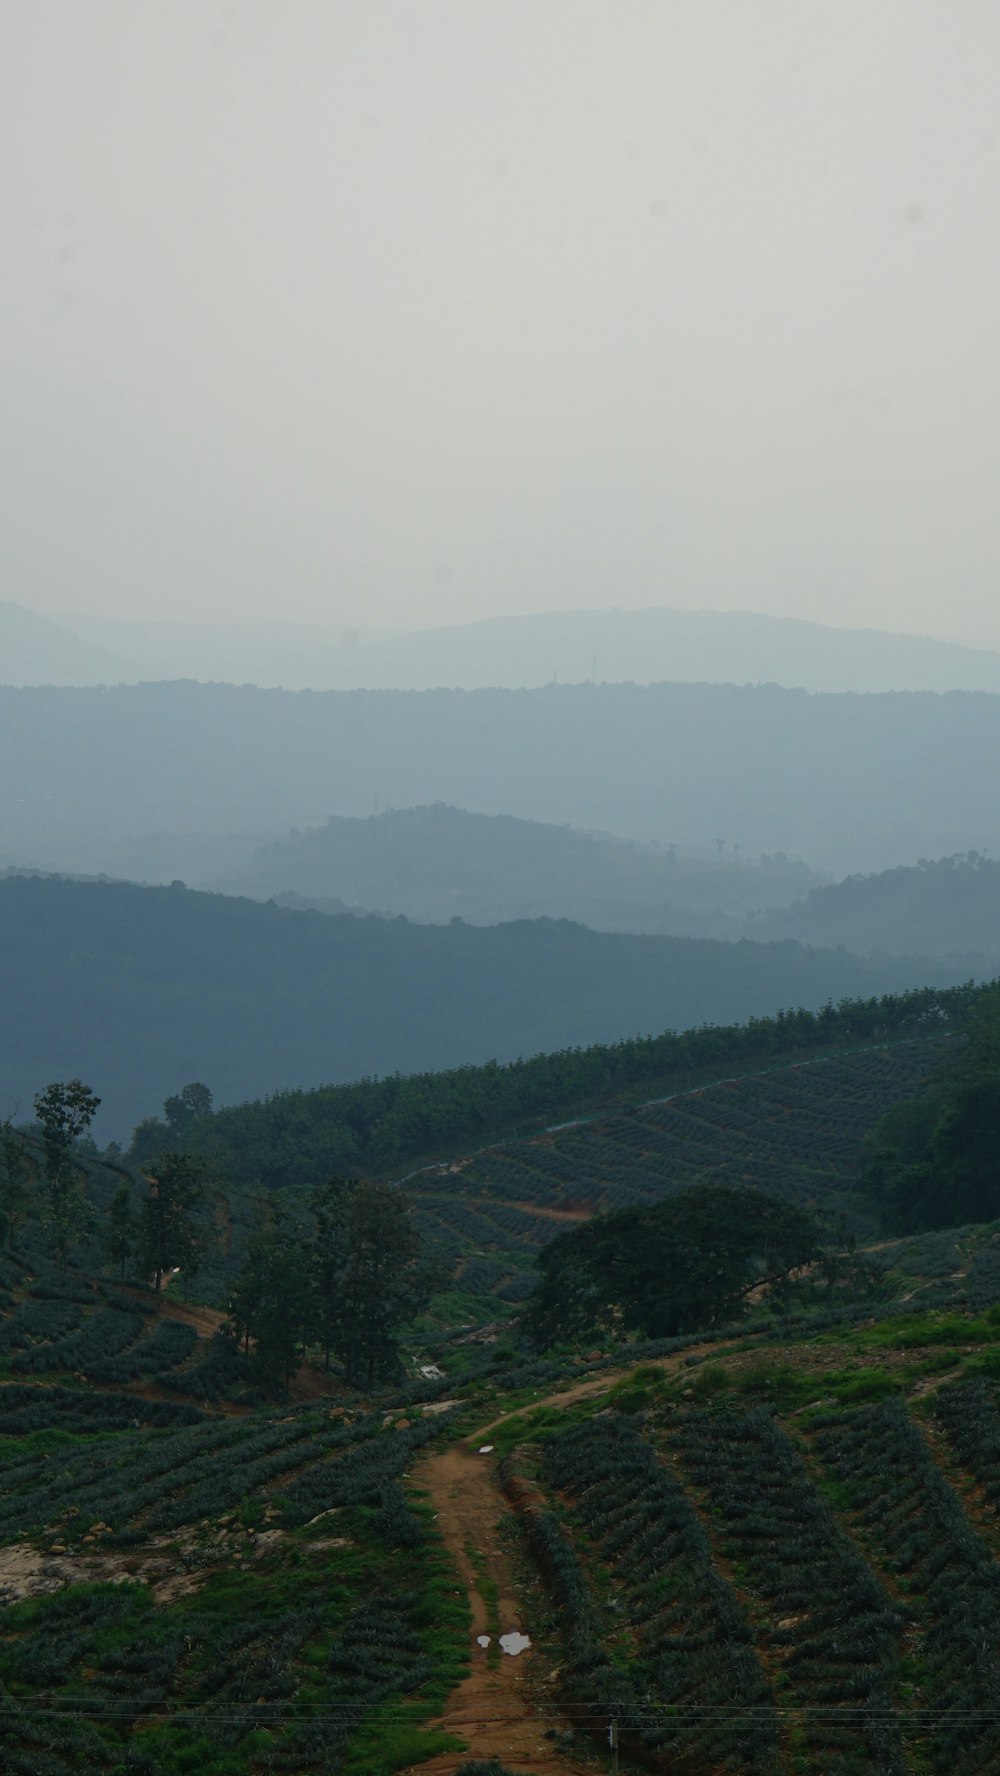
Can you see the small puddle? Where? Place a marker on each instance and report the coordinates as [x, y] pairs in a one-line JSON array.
[[482, 1640], [515, 1643]]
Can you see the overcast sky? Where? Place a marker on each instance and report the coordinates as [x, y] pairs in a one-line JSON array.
[[405, 311]]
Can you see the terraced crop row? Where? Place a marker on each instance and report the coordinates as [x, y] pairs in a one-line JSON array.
[[919, 1532], [707, 1702], [796, 1132]]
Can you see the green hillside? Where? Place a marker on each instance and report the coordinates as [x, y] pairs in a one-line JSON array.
[[765, 1547], [140, 990]]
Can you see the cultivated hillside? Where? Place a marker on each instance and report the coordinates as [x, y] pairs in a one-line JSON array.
[[96, 780], [140, 990]]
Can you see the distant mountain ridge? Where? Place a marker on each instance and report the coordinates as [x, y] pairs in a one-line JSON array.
[[659, 644]]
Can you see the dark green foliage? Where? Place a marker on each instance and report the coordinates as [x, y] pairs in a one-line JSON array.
[[15, 1174], [686, 1263], [272, 1301], [832, 1629], [711, 1707], [915, 1523], [168, 1238], [932, 1162], [89, 1348], [221, 1373], [64, 1113], [120, 1229], [25, 1409]]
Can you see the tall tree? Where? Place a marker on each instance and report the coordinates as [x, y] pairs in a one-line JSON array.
[[64, 1112], [120, 1228], [379, 1278], [272, 1302], [15, 1172], [190, 1105], [168, 1236]]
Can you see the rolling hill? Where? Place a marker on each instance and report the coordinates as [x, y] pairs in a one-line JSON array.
[[437, 863], [141, 990], [929, 909]]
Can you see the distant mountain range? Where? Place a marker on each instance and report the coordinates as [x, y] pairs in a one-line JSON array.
[[571, 647], [439, 862], [150, 781], [141, 990]]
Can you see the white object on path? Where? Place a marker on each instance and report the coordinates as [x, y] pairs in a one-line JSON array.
[[515, 1642]]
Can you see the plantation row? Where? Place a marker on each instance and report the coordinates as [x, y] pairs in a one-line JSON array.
[[140, 1485], [68, 1325], [280, 1655], [796, 1133], [745, 1596]]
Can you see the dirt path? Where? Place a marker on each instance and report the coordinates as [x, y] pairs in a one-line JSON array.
[[501, 1710]]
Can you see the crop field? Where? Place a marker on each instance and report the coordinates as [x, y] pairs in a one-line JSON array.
[[762, 1570], [218, 1596], [796, 1132]]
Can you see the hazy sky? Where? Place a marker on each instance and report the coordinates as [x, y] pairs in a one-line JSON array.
[[404, 311]]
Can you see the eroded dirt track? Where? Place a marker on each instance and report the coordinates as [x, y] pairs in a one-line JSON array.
[[502, 1710]]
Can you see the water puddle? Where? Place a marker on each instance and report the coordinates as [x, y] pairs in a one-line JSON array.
[[482, 1640], [515, 1642]]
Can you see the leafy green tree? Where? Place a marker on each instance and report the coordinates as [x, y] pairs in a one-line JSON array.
[[272, 1302], [15, 1172], [328, 1256], [374, 1277], [64, 1112], [685, 1264], [191, 1103], [120, 1228], [168, 1235]]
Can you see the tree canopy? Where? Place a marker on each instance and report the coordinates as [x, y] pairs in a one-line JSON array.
[[684, 1264]]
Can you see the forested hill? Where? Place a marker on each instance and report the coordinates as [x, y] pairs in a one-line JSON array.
[[930, 909], [438, 862], [140, 990], [92, 780]]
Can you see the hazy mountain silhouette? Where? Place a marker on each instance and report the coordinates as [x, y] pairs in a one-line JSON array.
[[932, 909], [438, 862], [36, 651], [611, 646], [94, 780]]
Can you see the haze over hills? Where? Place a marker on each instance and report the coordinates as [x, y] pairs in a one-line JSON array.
[[930, 909], [139, 990], [117, 780], [37, 651], [439, 862], [641, 646]]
